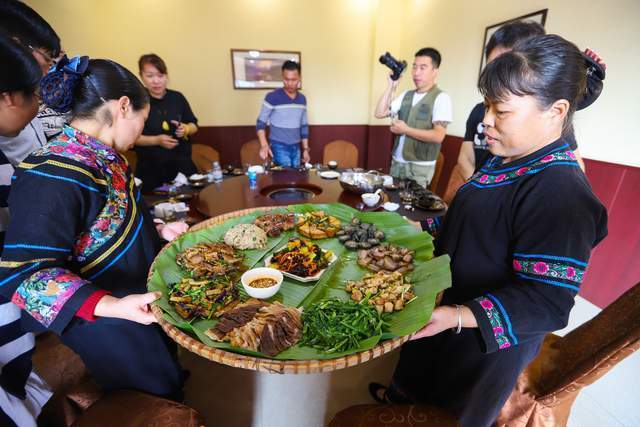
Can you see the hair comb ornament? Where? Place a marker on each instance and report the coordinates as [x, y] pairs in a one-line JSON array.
[[595, 75], [56, 88]]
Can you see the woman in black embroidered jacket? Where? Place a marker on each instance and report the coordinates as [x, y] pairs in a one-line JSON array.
[[80, 239], [519, 234]]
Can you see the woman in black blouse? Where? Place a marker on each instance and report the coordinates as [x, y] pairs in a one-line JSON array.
[[164, 149], [519, 233]]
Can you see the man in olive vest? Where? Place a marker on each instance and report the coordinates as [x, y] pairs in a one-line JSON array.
[[419, 119]]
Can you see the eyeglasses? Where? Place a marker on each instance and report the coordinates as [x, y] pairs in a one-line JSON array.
[[51, 61]]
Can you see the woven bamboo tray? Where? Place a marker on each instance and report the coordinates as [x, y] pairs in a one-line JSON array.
[[259, 364]]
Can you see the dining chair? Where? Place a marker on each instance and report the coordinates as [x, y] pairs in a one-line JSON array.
[[547, 388], [343, 152], [203, 157], [375, 415], [250, 153], [455, 182], [79, 401], [433, 185]]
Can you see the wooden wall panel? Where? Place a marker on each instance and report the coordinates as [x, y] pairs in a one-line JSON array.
[[228, 140]]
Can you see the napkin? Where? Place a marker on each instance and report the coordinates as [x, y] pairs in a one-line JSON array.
[[180, 180]]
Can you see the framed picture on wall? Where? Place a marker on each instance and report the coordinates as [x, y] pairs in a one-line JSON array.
[[540, 17], [259, 69]]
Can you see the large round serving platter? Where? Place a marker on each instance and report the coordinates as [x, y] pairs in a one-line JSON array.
[[430, 277]]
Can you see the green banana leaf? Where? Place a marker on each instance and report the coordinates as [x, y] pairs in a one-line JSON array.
[[430, 276]]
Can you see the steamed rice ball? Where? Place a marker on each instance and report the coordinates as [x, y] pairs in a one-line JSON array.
[[246, 236]]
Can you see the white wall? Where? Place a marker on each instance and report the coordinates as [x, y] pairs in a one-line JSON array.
[[608, 129], [341, 41]]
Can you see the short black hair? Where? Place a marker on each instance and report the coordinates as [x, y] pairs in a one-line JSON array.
[[20, 21], [512, 33], [154, 60], [20, 71], [546, 67], [432, 53], [291, 66]]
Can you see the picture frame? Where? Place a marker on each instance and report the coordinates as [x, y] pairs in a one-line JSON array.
[[539, 16], [260, 69]]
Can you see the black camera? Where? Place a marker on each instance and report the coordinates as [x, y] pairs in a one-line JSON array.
[[396, 66]]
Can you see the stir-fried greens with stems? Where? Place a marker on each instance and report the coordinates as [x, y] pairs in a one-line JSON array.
[[335, 326], [203, 298]]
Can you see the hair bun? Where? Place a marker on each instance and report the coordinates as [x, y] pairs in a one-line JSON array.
[[57, 87], [595, 75]]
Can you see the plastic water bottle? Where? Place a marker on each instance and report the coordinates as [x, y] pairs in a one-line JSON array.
[[216, 172], [253, 178]]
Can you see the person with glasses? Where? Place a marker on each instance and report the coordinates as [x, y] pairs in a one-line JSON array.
[[22, 392], [24, 25]]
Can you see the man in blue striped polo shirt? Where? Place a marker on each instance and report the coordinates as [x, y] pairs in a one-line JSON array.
[[285, 112]]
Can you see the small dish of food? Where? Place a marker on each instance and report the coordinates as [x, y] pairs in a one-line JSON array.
[[301, 260], [197, 180], [261, 282], [332, 164], [330, 174]]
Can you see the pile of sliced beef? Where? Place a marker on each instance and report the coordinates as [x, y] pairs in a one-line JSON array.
[[259, 326]]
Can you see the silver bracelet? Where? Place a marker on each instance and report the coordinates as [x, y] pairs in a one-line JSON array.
[[459, 328]]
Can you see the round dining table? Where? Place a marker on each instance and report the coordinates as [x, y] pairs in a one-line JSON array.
[[286, 187]]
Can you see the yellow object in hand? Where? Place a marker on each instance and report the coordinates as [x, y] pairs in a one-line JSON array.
[[165, 126]]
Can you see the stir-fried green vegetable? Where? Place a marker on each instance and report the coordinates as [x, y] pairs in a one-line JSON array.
[[335, 326]]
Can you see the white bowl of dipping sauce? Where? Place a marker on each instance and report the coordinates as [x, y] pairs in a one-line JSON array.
[[262, 282], [370, 199]]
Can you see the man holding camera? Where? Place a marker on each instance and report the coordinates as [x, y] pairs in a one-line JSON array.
[[419, 118]]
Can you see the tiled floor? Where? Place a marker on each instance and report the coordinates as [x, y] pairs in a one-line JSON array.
[[239, 398]]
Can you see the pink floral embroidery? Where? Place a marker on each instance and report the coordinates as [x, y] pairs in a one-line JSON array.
[[540, 267], [75, 145], [547, 159], [496, 321], [502, 178], [485, 303], [565, 273], [45, 292]]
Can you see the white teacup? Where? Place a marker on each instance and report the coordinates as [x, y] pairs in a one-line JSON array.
[[388, 180], [370, 199]]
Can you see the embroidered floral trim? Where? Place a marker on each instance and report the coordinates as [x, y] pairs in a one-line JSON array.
[[486, 177], [77, 146], [497, 322], [45, 292], [554, 270]]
